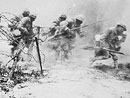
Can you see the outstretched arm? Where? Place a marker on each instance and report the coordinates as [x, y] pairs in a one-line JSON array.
[[21, 25]]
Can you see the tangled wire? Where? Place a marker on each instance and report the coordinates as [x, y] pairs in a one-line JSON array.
[[6, 35]]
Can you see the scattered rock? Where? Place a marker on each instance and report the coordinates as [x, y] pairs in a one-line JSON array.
[[123, 71], [18, 75], [22, 86]]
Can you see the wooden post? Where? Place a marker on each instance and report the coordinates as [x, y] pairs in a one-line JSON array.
[[38, 50], [39, 56]]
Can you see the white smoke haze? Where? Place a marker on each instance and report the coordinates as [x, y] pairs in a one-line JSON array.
[[93, 10]]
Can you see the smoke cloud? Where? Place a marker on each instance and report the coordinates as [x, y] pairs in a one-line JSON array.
[[93, 10]]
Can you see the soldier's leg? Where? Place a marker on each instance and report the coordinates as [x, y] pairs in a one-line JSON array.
[[66, 56], [57, 51], [14, 46], [19, 49], [99, 55], [57, 54], [92, 60], [52, 32], [70, 47], [66, 50], [115, 59], [30, 49], [12, 50]]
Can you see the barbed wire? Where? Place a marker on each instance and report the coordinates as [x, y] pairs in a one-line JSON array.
[[10, 38]]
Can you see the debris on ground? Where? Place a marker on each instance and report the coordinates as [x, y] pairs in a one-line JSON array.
[[18, 76], [122, 72]]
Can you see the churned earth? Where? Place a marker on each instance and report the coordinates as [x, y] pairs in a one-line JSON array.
[[74, 78]]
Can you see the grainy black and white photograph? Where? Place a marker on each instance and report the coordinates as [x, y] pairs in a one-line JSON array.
[[64, 49]]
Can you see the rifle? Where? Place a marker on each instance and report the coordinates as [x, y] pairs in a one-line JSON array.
[[118, 52], [98, 48], [113, 51], [82, 26], [91, 24]]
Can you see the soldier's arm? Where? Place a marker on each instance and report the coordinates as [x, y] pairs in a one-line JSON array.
[[21, 25], [124, 35], [63, 25], [106, 35], [79, 32], [55, 23]]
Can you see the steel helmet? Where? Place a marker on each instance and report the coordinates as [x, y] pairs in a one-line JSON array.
[[63, 16], [26, 12], [122, 25], [70, 20], [33, 16], [80, 18]]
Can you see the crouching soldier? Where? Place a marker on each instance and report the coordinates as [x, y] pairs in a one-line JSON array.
[[111, 40], [26, 33], [25, 27], [15, 20]]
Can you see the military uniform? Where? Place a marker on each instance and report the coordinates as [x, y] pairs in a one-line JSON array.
[[56, 24], [25, 27], [112, 40], [15, 20], [67, 35], [25, 34], [68, 26]]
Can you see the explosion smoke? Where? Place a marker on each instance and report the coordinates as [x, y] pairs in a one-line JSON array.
[[93, 10]]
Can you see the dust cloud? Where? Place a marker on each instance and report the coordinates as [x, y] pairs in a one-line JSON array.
[[115, 11]]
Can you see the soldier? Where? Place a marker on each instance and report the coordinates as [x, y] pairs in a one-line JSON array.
[[68, 31], [56, 23], [72, 26], [16, 33], [26, 33], [25, 27], [15, 20], [112, 40]]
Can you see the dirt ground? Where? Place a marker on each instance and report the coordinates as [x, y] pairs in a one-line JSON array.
[[74, 78]]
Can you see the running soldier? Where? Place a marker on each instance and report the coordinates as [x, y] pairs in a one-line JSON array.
[[112, 40], [67, 34]]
